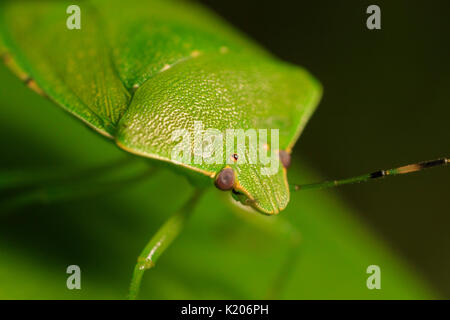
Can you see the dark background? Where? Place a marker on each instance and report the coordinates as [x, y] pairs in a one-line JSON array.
[[386, 103]]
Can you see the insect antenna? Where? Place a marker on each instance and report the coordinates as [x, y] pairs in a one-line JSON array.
[[374, 175]]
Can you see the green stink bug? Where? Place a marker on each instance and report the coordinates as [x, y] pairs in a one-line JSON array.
[[111, 76], [218, 78]]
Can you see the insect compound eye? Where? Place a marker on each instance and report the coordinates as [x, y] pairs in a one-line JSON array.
[[225, 179], [285, 158]]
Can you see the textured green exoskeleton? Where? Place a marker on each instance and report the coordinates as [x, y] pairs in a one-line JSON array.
[[136, 72]]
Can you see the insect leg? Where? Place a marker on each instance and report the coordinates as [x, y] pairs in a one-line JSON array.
[[22, 188], [281, 228], [285, 272], [160, 241], [21, 74], [375, 175]]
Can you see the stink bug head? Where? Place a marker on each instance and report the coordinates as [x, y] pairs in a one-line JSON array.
[[268, 194], [261, 187]]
